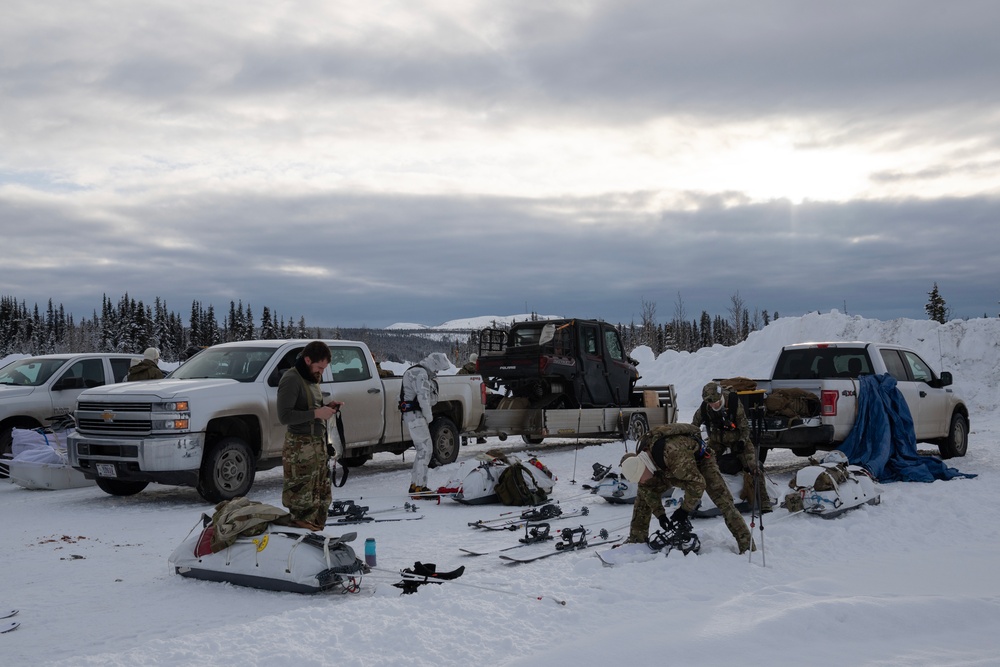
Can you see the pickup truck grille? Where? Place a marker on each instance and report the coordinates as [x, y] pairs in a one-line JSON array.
[[90, 406], [99, 426], [114, 419]]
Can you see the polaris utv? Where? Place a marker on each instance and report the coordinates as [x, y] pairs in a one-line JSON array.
[[557, 364]]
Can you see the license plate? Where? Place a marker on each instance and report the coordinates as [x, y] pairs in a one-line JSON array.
[[106, 470]]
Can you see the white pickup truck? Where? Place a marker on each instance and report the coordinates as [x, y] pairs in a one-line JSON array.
[[830, 371], [212, 423], [35, 389]]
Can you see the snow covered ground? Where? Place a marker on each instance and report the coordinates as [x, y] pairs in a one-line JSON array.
[[912, 581]]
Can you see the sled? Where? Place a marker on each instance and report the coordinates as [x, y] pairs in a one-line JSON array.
[[830, 489], [281, 558], [616, 490]]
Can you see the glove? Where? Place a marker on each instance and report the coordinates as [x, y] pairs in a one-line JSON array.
[[664, 522], [679, 517]]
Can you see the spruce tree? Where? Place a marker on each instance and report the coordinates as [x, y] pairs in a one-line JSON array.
[[936, 308]]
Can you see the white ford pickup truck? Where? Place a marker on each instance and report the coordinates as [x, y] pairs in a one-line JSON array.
[[830, 371], [212, 423]]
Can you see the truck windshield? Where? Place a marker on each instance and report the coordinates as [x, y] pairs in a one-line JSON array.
[[243, 364], [30, 372]]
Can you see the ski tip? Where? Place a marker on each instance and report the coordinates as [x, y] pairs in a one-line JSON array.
[[8, 627], [9, 613]]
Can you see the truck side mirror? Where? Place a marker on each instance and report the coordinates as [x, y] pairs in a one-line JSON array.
[[946, 378]]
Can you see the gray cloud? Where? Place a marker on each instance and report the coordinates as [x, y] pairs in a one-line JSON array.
[[424, 164]]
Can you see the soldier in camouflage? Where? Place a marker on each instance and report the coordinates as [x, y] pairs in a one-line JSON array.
[[306, 491], [731, 432], [679, 460]]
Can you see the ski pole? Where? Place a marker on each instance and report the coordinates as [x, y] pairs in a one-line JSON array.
[[417, 577]]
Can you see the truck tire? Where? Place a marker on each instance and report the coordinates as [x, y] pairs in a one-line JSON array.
[[957, 442], [227, 471], [445, 442], [120, 487], [354, 461]]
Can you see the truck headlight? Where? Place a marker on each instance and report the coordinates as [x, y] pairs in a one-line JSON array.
[[171, 416]]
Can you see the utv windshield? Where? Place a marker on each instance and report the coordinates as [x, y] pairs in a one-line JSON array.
[[243, 364], [30, 372]]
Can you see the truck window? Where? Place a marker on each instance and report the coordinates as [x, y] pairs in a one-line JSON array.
[[894, 364], [921, 372], [242, 364], [119, 368], [348, 365]]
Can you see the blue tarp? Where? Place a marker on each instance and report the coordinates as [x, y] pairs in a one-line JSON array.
[[883, 439]]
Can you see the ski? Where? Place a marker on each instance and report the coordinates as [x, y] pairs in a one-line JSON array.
[[344, 521], [662, 541], [8, 614], [572, 539], [349, 512], [7, 627], [533, 534], [534, 514]]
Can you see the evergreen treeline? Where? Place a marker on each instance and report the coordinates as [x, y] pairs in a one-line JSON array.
[[131, 326]]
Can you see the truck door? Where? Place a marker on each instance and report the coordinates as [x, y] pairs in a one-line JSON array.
[[595, 380], [933, 415], [72, 380], [357, 385], [911, 379]]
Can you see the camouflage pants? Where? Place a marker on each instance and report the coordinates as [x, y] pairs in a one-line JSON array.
[[694, 478], [748, 458], [306, 491]]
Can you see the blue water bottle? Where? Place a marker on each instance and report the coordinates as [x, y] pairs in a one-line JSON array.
[[370, 551]]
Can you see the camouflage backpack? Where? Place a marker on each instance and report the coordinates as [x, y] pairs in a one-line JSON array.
[[792, 402], [516, 485], [239, 516], [667, 431]]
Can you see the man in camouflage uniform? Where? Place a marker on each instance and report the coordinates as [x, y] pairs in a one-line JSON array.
[[306, 491], [732, 432], [675, 456]]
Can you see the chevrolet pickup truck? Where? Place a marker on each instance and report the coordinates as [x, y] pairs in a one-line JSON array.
[[35, 389], [212, 423], [830, 371]]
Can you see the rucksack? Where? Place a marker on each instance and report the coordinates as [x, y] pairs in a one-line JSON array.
[[667, 432], [517, 485], [239, 516], [792, 402]]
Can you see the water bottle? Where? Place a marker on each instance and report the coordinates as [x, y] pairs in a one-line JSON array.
[[370, 551]]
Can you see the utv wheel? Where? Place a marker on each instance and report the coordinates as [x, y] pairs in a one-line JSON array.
[[638, 426], [958, 438], [533, 439], [444, 442], [227, 471], [120, 487]]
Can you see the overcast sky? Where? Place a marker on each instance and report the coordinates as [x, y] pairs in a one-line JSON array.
[[365, 163]]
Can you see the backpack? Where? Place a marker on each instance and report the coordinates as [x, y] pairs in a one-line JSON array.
[[239, 516], [517, 485], [667, 432], [792, 403]]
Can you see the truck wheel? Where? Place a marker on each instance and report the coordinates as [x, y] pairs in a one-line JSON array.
[[445, 442], [120, 487], [227, 471], [533, 439], [958, 438], [638, 426], [354, 461]]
